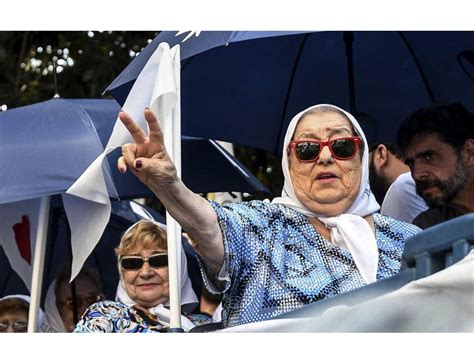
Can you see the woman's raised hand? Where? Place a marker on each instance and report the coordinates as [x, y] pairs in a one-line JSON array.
[[147, 158]]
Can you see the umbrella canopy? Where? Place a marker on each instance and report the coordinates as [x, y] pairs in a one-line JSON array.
[[244, 87], [46, 146]]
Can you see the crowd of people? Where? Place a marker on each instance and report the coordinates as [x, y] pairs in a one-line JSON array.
[[341, 222]]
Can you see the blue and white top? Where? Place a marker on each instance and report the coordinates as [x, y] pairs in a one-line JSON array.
[[116, 317], [275, 261]]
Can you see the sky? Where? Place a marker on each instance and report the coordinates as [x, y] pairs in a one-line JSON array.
[[236, 15]]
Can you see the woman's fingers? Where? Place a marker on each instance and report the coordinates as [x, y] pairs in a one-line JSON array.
[[128, 155], [135, 131], [122, 165], [156, 134]]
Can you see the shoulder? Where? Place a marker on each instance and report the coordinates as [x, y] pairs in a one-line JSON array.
[[403, 184], [433, 216], [256, 212], [109, 306], [392, 226], [405, 179], [101, 316]]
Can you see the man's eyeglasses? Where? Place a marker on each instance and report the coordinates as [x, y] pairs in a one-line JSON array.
[[82, 301], [136, 262], [17, 326], [308, 150]]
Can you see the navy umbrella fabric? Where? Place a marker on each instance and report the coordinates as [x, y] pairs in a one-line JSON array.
[[244, 87], [46, 146]]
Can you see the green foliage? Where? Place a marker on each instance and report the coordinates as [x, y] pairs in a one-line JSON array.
[[86, 63]]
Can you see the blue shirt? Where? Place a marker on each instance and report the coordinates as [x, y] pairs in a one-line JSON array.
[[275, 261]]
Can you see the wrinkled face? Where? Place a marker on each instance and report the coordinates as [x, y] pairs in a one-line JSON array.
[[147, 286], [87, 293], [13, 322], [326, 186], [437, 169]]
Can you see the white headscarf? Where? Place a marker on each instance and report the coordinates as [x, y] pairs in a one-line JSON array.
[[349, 230], [52, 319], [27, 299], [161, 311]]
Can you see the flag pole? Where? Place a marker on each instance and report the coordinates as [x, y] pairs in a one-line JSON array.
[[38, 262]]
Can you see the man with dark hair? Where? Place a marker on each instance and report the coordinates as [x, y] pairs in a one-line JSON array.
[[438, 145], [392, 184]]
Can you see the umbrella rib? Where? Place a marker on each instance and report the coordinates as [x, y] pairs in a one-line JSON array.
[[290, 86], [418, 66]]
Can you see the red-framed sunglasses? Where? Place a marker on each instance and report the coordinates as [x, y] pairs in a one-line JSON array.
[[307, 150]]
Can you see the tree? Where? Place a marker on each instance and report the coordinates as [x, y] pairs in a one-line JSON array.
[[86, 62]]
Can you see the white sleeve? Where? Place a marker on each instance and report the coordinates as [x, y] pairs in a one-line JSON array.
[[401, 201]]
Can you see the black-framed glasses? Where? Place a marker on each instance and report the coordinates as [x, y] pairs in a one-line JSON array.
[[17, 326], [308, 150], [134, 262]]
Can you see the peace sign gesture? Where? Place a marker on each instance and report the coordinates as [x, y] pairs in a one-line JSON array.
[[147, 158]]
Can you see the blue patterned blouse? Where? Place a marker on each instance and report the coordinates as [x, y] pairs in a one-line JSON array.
[[275, 261], [112, 316]]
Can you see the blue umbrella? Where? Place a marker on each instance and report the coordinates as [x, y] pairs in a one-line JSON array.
[[46, 146], [244, 87]]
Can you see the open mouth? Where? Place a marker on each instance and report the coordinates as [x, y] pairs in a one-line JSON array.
[[325, 176]]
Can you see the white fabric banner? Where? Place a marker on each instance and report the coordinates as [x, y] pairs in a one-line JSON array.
[[442, 302], [87, 202]]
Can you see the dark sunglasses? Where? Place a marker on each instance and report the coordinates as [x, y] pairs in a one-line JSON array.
[[307, 150], [135, 262], [18, 326]]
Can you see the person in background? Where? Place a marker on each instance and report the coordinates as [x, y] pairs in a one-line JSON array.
[[143, 292], [13, 314], [60, 302], [392, 184], [322, 237], [437, 144]]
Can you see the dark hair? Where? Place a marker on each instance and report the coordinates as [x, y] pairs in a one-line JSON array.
[[391, 147], [453, 124], [64, 273]]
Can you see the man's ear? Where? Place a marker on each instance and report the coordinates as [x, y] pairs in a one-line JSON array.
[[381, 156], [468, 152]]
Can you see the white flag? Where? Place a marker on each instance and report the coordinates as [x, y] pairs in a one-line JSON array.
[[86, 202], [18, 227]]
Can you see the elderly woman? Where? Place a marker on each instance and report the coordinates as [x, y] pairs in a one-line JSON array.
[[59, 304], [322, 237], [14, 311], [143, 290]]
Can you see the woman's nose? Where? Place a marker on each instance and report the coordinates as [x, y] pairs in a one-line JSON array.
[[325, 156], [146, 270]]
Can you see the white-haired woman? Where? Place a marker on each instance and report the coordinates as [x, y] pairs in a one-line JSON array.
[[322, 237]]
